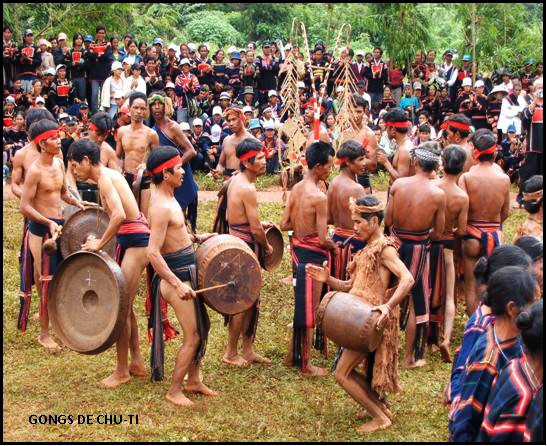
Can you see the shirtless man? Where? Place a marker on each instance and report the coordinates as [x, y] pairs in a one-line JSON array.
[[397, 127], [488, 189], [457, 204], [306, 215], [378, 260], [415, 213], [172, 255], [99, 129], [135, 141], [317, 131], [244, 223], [533, 204], [44, 188], [458, 128], [119, 203], [352, 163]]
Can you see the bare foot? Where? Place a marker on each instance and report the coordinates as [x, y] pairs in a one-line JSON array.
[[137, 369], [312, 370], [361, 414], [115, 380], [49, 344], [374, 425], [445, 352], [433, 348], [287, 360], [414, 364], [255, 357], [237, 360], [178, 399], [199, 388]]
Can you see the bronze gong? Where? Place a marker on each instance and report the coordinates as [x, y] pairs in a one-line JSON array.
[[224, 258], [88, 302], [82, 224], [275, 238]]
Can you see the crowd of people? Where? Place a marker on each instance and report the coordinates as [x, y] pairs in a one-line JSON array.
[[99, 120]]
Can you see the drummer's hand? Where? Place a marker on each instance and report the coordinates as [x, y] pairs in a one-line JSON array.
[[381, 157], [267, 224], [268, 250], [385, 309], [54, 228], [88, 204], [204, 237], [319, 273], [92, 244], [185, 292], [216, 174]]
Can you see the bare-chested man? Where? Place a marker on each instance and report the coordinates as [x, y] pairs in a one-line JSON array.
[[397, 127], [415, 213], [488, 189], [352, 161], [458, 129], [120, 204], [371, 274], [44, 188], [306, 215], [244, 223], [533, 204], [135, 141], [99, 129], [457, 204], [171, 253]]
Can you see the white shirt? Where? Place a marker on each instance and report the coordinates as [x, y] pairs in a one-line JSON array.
[[141, 85], [110, 87]]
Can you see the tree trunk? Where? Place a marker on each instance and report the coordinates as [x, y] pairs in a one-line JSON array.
[[474, 40]]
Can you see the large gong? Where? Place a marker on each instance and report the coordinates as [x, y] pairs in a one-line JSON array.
[[224, 258], [88, 302], [275, 238], [80, 225]]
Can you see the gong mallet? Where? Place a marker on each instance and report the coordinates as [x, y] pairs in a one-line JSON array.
[[231, 283], [50, 245]]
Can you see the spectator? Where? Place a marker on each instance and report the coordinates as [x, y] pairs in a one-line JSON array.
[[377, 76], [114, 85], [99, 61]]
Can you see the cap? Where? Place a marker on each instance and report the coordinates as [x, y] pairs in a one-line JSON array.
[[217, 110], [88, 38], [288, 47], [235, 55], [40, 99], [417, 86], [119, 95], [530, 62], [339, 89], [172, 47], [467, 82], [184, 61], [247, 109], [157, 41], [72, 121], [61, 36], [50, 71], [301, 85], [42, 42], [10, 99], [248, 90], [225, 95], [169, 85], [467, 58], [360, 53], [63, 116], [266, 44], [184, 126], [216, 133], [83, 104], [116, 65], [197, 121], [498, 89], [254, 124], [511, 128], [58, 67], [191, 47], [449, 53], [28, 32], [272, 93], [269, 125], [407, 85], [479, 84]]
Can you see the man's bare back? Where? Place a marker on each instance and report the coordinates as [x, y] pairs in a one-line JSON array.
[[108, 157], [457, 204], [304, 200], [401, 160], [135, 144], [340, 191], [111, 178]]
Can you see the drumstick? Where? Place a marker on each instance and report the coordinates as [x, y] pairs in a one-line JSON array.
[[216, 287], [50, 245]]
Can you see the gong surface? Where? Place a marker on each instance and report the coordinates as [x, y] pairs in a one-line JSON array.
[[224, 258], [275, 238], [88, 302], [82, 224]]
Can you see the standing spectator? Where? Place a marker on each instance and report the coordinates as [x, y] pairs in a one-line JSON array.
[[249, 70], [99, 61], [447, 74], [527, 77], [233, 71], [113, 86], [376, 74], [479, 107], [204, 69], [61, 52], [186, 88], [76, 66], [46, 57], [395, 80], [358, 67], [273, 147], [511, 108], [151, 76], [62, 93], [117, 53], [9, 49], [495, 98], [431, 104], [269, 68], [202, 145], [387, 100], [27, 60], [135, 82], [446, 106]]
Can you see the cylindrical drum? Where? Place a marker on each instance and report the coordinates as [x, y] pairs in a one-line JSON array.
[[88, 302], [349, 321], [275, 238], [222, 259]]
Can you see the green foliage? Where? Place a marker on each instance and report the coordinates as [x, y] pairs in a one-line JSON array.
[[213, 27]]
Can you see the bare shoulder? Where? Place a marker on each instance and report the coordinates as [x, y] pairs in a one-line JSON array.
[[123, 130]]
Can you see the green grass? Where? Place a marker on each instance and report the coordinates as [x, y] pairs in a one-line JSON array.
[[260, 403]]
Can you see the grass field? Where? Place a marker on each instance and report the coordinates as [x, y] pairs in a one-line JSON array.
[[259, 403]]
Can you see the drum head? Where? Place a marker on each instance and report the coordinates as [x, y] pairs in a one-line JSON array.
[[88, 302], [275, 238], [82, 224]]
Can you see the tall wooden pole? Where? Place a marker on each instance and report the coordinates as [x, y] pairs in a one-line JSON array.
[[330, 8], [474, 40]]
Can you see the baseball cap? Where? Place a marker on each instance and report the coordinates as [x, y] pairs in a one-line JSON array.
[[172, 47], [184, 126], [116, 65], [197, 121], [479, 84], [216, 133], [254, 124], [118, 95], [449, 53], [42, 42], [157, 41], [301, 85], [272, 93], [169, 85], [511, 128], [191, 47], [61, 36], [217, 110], [235, 55], [269, 125], [247, 109], [72, 120], [83, 104], [266, 44], [467, 58], [360, 53], [28, 32], [417, 86], [58, 67], [248, 90], [184, 61], [63, 116], [50, 71], [225, 95], [88, 38], [40, 99], [10, 99], [467, 82]]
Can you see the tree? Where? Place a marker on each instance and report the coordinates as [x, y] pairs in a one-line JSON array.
[[212, 27]]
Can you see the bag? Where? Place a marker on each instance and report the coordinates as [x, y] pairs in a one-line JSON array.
[[193, 107]]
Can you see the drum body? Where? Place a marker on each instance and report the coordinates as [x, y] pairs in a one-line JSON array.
[[88, 302], [349, 321], [224, 258], [275, 238]]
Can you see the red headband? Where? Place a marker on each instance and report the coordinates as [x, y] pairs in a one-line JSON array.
[[456, 125], [397, 124], [340, 161], [168, 164], [249, 155], [489, 151], [46, 135], [93, 127]]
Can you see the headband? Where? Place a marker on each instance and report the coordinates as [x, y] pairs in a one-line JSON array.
[[156, 97], [397, 124], [342, 160], [54, 133], [172, 162], [456, 125], [425, 155], [93, 127], [533, 196], [488, 151], [356, 209], [250, 154]]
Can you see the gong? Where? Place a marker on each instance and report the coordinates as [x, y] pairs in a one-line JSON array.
[[88, 302], [275, 238], [224, 258], [80, 225]]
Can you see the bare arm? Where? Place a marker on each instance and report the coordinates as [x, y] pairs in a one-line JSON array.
[[183, 142], [222, 158], [439, 219], [29, 193], [17, 175], [286, 224], [388, 219], [119, 145], [505, 209], [462, 218], [250, 204], [321, 211]]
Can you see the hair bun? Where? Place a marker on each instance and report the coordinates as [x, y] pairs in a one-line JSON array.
[[525, 321], [481, 269], [486, 299]]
